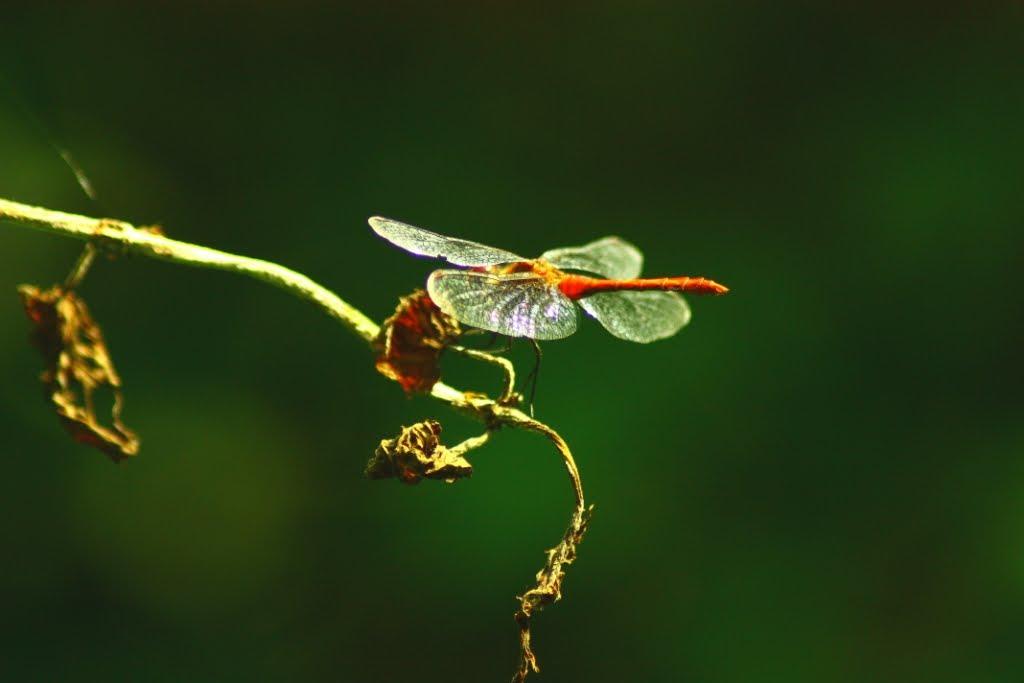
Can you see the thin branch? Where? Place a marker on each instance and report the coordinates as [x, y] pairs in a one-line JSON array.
[[507, 369], [81, 267], [494, 414], [548, 588], [470, 444], [131, 239]]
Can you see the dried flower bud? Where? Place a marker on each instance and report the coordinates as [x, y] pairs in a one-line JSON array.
[[418, 453], [411, 341]]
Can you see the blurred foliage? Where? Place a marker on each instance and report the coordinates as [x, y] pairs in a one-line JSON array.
[[820, 479]]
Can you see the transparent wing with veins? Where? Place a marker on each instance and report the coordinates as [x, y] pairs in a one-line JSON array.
[[516, 305], [639, 316], [452, 249], [610, 257]]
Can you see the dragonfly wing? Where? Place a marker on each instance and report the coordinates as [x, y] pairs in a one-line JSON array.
[[610, 257], [452, 249], [516, 305], [639, 316]]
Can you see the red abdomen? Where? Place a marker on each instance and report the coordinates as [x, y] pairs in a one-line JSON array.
[[578, 286]]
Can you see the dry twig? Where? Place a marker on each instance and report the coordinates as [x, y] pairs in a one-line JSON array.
[[493, 413]]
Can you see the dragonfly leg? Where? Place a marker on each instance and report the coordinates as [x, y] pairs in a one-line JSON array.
[[493, 339]]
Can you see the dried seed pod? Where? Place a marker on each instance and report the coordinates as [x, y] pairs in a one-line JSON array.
[[418, 453], [77, 364], [411, 341]]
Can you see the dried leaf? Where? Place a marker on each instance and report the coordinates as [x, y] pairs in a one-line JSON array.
[[417, 453], [411, 341], [77, 364]]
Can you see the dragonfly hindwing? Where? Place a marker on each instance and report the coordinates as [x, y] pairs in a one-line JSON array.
[[609, 257], [639, 316]]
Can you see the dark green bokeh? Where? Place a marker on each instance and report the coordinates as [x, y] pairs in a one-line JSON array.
[[819, 480]]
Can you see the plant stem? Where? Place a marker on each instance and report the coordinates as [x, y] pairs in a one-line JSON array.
[[131, 239], [123, 236]]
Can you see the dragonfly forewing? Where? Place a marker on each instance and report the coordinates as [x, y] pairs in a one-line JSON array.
[[516, 305], [610, 257], [639, 316], [452, 249]]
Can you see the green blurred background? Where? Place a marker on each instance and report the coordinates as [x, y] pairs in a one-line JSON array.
[[821, 479]]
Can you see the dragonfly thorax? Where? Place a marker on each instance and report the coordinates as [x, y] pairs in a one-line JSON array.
[[537, 267]]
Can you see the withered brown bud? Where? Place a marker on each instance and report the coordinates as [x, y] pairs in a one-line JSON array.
[[418, 453], [411, 341]]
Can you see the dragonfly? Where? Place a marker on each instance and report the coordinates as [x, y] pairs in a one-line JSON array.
[[501, 292]]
